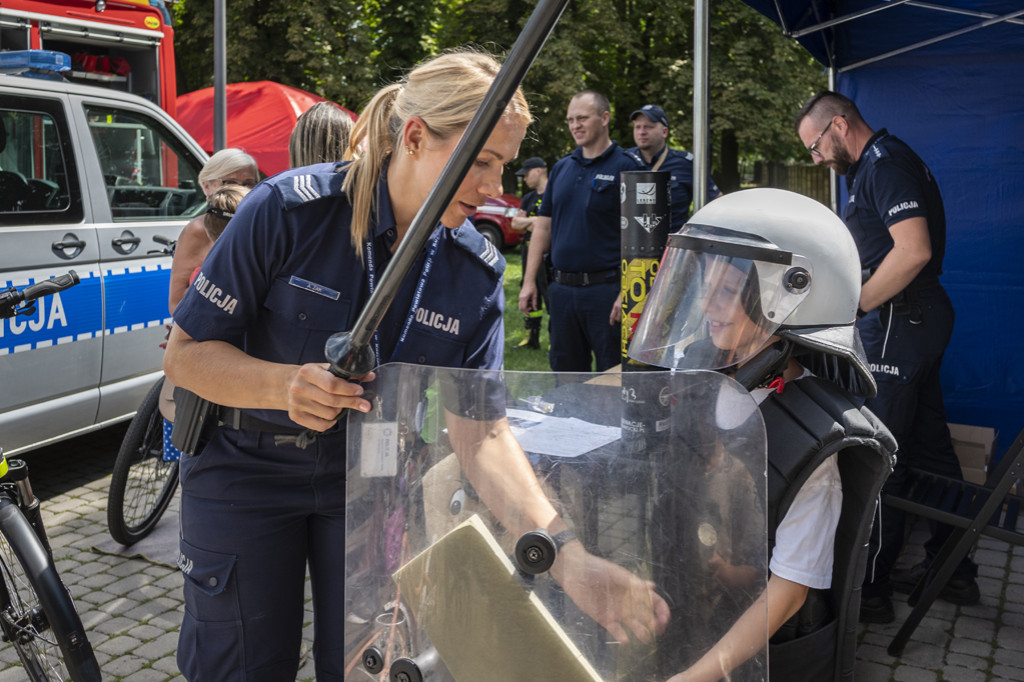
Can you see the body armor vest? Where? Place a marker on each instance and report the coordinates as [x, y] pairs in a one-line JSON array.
[[808, 422]]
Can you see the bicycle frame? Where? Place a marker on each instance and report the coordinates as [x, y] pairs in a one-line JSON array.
[[16, 486]]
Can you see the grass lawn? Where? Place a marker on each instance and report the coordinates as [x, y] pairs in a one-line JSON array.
[[516, 358]]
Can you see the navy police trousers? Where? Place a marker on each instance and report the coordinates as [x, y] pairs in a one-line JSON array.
[[252, 514], [904, 344], [581, 338]]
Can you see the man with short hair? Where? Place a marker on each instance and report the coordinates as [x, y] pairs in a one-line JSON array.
[[897, 219], [535, 175], [650, 132], [579, 222]]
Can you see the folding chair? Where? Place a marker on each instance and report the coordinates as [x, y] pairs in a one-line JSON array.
[[973, 510]]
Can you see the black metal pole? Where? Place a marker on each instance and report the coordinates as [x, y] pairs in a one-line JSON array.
[[220, 104], [350, 353]]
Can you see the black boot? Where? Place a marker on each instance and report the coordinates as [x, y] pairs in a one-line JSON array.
[[532, 339]]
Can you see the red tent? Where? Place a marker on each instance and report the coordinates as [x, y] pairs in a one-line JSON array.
[[261, 116]]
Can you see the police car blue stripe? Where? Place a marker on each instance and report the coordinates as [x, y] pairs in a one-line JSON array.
[[135, 296]]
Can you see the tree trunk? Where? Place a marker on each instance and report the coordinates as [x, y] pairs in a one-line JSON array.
[[729, 163]]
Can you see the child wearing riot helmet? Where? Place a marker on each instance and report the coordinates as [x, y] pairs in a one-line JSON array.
[[305, 251], [764, 284]]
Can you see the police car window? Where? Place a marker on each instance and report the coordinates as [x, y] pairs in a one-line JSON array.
[[38, 183], [149, 174]]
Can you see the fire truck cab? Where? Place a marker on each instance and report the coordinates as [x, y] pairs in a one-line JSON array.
[[124, 45]]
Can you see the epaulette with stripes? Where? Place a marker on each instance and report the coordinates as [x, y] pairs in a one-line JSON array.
[[303, 188], [487, 253]]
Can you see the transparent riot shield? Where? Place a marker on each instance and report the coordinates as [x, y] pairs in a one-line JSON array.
[[509, 526]]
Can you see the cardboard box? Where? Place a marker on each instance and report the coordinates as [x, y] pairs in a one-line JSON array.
[[974, 445], [974, 475]]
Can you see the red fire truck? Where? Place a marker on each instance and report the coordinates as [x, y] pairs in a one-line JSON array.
[[122, 44]]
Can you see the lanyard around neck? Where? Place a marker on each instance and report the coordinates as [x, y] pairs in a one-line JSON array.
[[661, 158], [371, 276]]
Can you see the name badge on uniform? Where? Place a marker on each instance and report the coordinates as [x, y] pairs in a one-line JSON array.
[[314, 287]]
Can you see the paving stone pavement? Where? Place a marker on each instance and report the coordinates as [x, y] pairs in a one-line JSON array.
[[132, 608]]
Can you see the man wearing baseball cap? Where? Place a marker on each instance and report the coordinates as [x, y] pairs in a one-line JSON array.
[[578, 222], [530, 164], [650, 132]]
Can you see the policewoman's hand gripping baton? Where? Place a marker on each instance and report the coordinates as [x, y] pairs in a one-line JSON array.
[[350, 353]]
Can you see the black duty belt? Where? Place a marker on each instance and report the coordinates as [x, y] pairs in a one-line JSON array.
[[584, 279], [908, 302], [234, 418]]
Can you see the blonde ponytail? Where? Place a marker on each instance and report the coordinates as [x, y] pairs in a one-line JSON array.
[[445, 92], [375, 131]]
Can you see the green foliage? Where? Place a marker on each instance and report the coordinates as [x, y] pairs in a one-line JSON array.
[[634, 51], [309, 45], [520, 358]]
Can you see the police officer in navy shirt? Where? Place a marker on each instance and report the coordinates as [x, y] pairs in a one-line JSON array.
[[897, 220], [579, 222], [304, 254], [650, 132]]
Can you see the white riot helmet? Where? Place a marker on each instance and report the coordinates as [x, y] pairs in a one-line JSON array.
[[748, 267]]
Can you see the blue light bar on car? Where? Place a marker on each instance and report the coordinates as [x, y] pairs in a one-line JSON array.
[[35, 63]]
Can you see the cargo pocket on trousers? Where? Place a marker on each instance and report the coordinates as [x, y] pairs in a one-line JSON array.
[[211, 645]]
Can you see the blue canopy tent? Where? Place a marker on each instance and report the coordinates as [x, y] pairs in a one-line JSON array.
[[946, 76]]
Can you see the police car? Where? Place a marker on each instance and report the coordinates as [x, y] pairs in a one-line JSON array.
[[494, 221], [89, 177]]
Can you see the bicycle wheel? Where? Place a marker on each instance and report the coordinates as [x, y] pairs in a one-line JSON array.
[[142, 484], [37, 614]]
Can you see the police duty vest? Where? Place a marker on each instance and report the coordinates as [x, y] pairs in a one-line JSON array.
[[808, 422]]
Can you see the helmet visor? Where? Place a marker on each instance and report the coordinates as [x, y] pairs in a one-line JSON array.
[[718, 298]]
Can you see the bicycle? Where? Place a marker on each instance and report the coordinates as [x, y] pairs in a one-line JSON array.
[[143, 482], [37, 613], [145, 477]]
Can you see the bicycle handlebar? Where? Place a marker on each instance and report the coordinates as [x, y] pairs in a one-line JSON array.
[[50, 286], [168, 244], [11, 298]]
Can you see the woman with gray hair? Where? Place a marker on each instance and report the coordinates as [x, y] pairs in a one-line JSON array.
[[227, 167]]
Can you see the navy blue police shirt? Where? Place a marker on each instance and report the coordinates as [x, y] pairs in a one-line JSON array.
[[582, 200], [679, 163], [285, 276], [887, 184]]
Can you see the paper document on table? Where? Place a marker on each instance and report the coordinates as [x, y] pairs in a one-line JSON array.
[[559, 436]]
